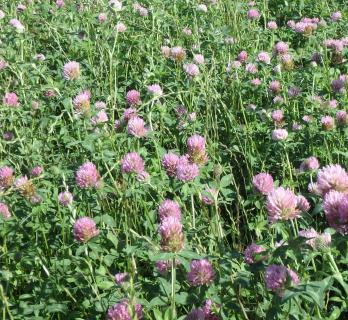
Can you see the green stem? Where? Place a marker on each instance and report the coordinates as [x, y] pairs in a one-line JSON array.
[[173, 312], [337, 273], [193, 213], [4, 299]]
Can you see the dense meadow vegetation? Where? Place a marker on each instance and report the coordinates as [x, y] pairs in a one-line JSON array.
[[173, 159]]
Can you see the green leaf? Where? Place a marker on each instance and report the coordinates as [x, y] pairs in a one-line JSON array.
[[157, 314], [105, 284], [226, 181]]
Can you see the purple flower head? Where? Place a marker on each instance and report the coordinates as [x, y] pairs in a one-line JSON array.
[[277, 115], [256, 82], [191, 69], [65, 198], [201, 273], [209, 309], [99, 118], [287, 61], [3, 64], [316, 57], [335, 206], [71, 70], [186, 171], [133, 97], [178, 53], [264, 57], [272, 25], [263, 183], [49, 93], [18, 25], [40, 57], [281, 204], [332, 177], [251, 68], [209, 196], [293, 92], [20, 182], [121, 27], [120, 311], [155, 89], [163, 266], [335, 45], [4, 211], [342, 117], [87, 176], [11, 100], [142, 11], [25, 186], [196, 314], [335, 16], [7, 135], [129, 113], [307, 118], [338, 85], [143, 177], [187, 31], [304, 27], [100, 105], [198, 58], [253, 14], [242, 56], [316, 240], [136, 127], [121, 278], [274, 87], [60, 3], [296, 126], [278, 100], [82, 102], [165, 50], [169, 208], [279, 134], [85, 229], [278, 278], [36, 171], [172, 237], [281, 48], [309, 164], [313, 188], [102, 17], [169, 163], [132, 163], [6, 177], [251, 251], [302, 204], [196, 149]]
